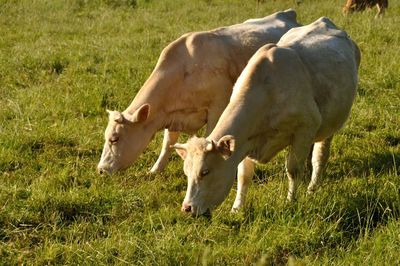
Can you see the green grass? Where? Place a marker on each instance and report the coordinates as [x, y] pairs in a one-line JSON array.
[[62, 63]]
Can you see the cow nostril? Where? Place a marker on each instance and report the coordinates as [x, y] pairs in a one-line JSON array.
[[100, 171], [186, 208]]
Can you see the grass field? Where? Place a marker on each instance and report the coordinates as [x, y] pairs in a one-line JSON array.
[[62, 63]]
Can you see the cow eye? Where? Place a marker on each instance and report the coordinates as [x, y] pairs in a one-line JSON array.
[[204, 172], [114, 140]]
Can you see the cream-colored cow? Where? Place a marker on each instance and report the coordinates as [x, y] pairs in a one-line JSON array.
[[296, 93], [189, 87]]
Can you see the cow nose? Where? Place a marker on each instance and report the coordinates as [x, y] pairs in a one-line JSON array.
[[186, 207], [100, 171]]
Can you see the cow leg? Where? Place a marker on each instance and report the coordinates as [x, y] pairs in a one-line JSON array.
[[319, 159], [298, 153], [381, 10], [170, 138], [244, 175]]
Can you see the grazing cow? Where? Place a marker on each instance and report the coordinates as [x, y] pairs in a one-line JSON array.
[[189, 87], [360, 5], [296, 93]]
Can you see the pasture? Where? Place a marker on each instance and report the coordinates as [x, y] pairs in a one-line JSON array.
[[62, 63]]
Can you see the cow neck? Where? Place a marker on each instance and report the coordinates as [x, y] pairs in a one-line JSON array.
[[238, 131], [165, 110], [155, 99]]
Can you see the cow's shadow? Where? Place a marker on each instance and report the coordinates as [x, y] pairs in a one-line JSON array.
[[357, 210], [373, 201], [376, 163], [339, 168]]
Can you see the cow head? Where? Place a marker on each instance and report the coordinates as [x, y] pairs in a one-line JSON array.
[[125, 139], [209, 170]]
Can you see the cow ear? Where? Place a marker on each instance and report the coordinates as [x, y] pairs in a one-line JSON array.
[[181, 149], [140, 115], [211, 146], [226, 146]]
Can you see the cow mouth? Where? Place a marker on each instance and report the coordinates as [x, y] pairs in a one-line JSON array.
[[104, 169], [197, 214]]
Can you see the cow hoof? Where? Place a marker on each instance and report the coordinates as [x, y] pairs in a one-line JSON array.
[[152, 171], [291, 199], [235, 210], [156, 169]]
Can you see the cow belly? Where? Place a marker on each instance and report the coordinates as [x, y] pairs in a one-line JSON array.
[[268, 148], [333, 118], [188, 121]]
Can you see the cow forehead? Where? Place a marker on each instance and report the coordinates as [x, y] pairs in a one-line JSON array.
[[197, 145], [196, 150], [113, 115], [195, 158], [113, 128]]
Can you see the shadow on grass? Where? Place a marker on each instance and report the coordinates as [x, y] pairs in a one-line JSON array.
[[346, 212], [10, 166], [361, 213], [60, 148], [373, 164], [64, 147], [339, 218]]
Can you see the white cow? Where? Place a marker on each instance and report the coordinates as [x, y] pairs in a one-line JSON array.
[[296, 93], [189, 87]]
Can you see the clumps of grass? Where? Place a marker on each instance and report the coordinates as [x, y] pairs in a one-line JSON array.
[[121, 3], [80, 5], [58, 66], [33, 70], [37, 146], [361, 212], [72, 60], [393, 141], [29, 72], [108, 101], [7, 166]]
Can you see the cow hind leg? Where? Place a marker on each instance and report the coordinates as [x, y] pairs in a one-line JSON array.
[[244, 175], [381, 9], [298, 153], [170, 138], [320, 155]]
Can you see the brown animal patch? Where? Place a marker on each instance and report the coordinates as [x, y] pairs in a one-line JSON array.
[[360, 5]]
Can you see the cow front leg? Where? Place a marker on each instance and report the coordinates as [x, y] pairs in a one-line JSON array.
[[319, 159], [244, 175], [170, 138]]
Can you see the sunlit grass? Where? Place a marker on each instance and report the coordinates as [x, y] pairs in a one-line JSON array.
[[62, 63]]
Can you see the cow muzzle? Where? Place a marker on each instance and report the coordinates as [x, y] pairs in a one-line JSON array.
[[195, 212], [103, 170], [186, 208]]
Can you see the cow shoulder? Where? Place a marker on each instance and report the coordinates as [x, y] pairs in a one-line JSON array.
[[200, 42]]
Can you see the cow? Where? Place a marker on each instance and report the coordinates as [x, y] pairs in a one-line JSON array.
[[360, 5], [297, 93], [189, 87]]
